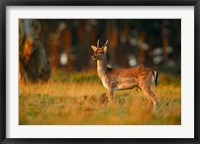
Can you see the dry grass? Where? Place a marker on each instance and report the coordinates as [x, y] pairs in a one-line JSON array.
[[81, 99]]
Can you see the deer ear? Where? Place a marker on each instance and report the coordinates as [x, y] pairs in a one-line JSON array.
[[105, 49], [94, 48]]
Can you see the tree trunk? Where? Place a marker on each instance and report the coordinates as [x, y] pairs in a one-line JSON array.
[[33, 60]]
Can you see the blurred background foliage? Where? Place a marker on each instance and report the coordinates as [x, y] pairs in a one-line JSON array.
[[48, 45]]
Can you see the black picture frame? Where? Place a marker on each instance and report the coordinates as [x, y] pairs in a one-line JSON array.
[[5, 3]]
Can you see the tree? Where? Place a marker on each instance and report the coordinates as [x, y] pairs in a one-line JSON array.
[[33, 60]]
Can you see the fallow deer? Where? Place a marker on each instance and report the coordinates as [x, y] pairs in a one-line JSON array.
[[121, 79]]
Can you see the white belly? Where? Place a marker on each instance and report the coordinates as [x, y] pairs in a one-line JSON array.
[[126, 83], [121, 84]]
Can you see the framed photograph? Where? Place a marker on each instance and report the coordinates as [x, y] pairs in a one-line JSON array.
[[99, 71]]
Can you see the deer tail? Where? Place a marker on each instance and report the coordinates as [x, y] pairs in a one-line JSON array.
[[155, 78]]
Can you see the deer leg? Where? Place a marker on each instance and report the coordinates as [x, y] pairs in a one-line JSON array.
[[151, 97], [111, 95]]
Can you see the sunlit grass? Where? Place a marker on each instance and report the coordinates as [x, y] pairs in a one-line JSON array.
[[80, 98]]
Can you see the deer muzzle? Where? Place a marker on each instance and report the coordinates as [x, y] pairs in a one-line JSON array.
[[94, 57]]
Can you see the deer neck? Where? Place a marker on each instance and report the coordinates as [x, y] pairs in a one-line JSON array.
[[102, 66]]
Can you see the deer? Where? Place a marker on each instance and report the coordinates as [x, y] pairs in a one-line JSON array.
[[124, 78]]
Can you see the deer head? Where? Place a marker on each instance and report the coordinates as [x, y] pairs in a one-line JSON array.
[[99, 52]]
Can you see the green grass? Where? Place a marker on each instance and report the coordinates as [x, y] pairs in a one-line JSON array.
[[80, 98]]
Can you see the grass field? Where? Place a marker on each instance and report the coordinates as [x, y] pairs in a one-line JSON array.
[[80, 98]]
